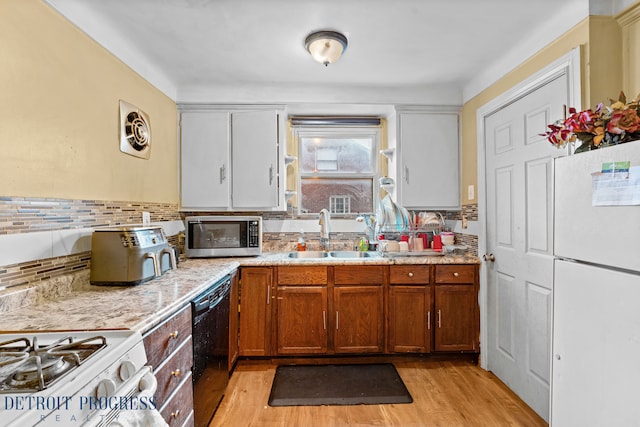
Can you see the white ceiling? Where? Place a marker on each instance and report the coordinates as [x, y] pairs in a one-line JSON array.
[[400, 51]]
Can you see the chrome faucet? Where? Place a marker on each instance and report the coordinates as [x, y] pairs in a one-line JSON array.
[[325, 219]]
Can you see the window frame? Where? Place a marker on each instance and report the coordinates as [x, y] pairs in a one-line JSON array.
[[345, 199], [337, 132]]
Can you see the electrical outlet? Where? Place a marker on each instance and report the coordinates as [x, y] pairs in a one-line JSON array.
[[146, 218], [465, 222], [471, 193]]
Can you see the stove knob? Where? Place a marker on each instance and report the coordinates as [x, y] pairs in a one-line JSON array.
[[106, 388], [127, 370]]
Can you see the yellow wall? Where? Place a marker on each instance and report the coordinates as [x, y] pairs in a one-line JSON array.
[[604, 78], [630, 23], [601, 69], [575, 37], [59, 115], [59, 108]]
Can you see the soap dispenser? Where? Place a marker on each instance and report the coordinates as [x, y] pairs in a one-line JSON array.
[[363, 246], [302, 245]]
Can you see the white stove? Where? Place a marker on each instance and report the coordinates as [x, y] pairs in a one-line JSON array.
[[77, 378]]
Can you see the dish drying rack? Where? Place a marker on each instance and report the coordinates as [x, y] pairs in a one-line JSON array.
[[391, 233], [394, 232]]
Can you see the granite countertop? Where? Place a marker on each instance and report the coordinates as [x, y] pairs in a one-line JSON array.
[[141, 307], [282, 258]]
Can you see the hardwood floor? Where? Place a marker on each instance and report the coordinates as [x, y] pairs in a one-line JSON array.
[[446, 393]]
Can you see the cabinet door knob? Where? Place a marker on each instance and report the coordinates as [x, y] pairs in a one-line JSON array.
[[456, 274], [173, 334], [175, 413], [410, 274], [176, 373]]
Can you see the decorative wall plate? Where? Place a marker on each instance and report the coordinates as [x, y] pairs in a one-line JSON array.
[[135, 131]]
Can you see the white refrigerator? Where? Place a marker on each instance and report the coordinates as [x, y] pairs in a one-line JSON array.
[[596, 295]]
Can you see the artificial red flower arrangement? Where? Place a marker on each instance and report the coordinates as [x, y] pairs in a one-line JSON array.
[[604, 126]]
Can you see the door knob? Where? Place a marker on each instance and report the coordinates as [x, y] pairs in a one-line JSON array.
[[489, 257]]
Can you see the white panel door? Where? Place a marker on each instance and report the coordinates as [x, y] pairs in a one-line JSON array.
[[204, 158], [255, 159], [519, 235]]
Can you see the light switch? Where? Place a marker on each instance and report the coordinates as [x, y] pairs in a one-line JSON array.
[[471, 194], [146, 218]]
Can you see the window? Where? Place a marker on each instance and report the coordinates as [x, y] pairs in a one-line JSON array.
[[340, 204], [327, 159], [337, 168]]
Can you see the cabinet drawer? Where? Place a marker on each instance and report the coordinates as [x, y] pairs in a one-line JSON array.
[[173, 370], [302, 275], [160, 342], [455, 274], [409, 274], [359, 275], [180, 405]]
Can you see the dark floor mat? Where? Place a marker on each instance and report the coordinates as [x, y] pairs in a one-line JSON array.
[[313, 385]]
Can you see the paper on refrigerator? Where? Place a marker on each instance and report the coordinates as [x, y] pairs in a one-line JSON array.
[[616, 187]]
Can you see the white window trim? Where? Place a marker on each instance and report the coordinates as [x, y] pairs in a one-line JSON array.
[[346, 200], [372, 132]]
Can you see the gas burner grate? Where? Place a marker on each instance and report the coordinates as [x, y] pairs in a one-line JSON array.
[[26, 366]]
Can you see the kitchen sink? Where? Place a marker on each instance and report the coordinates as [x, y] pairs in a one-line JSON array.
[[308, 254], [352, 254], [332, 254]]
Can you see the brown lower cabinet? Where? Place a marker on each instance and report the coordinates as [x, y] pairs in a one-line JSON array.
[[234, 319], [169, 349], [318, 315], [456, 309], [256, 295], [358, 307], [179, 412], [301, 310], [302, 320], [362, 309], [410, 309]]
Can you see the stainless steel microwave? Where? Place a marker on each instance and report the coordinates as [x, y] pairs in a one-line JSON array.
[[223, 236]]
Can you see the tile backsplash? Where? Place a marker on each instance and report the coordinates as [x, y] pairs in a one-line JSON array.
[[23, 214], [38, 221]]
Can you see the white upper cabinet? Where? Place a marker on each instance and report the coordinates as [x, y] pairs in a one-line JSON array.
[[231, 160], [205, 159], [428, 164], [255, 159]]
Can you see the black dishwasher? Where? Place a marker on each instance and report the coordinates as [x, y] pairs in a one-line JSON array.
[[210, 311]]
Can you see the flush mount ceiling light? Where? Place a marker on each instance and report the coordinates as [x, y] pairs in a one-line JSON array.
[[326, 46]]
